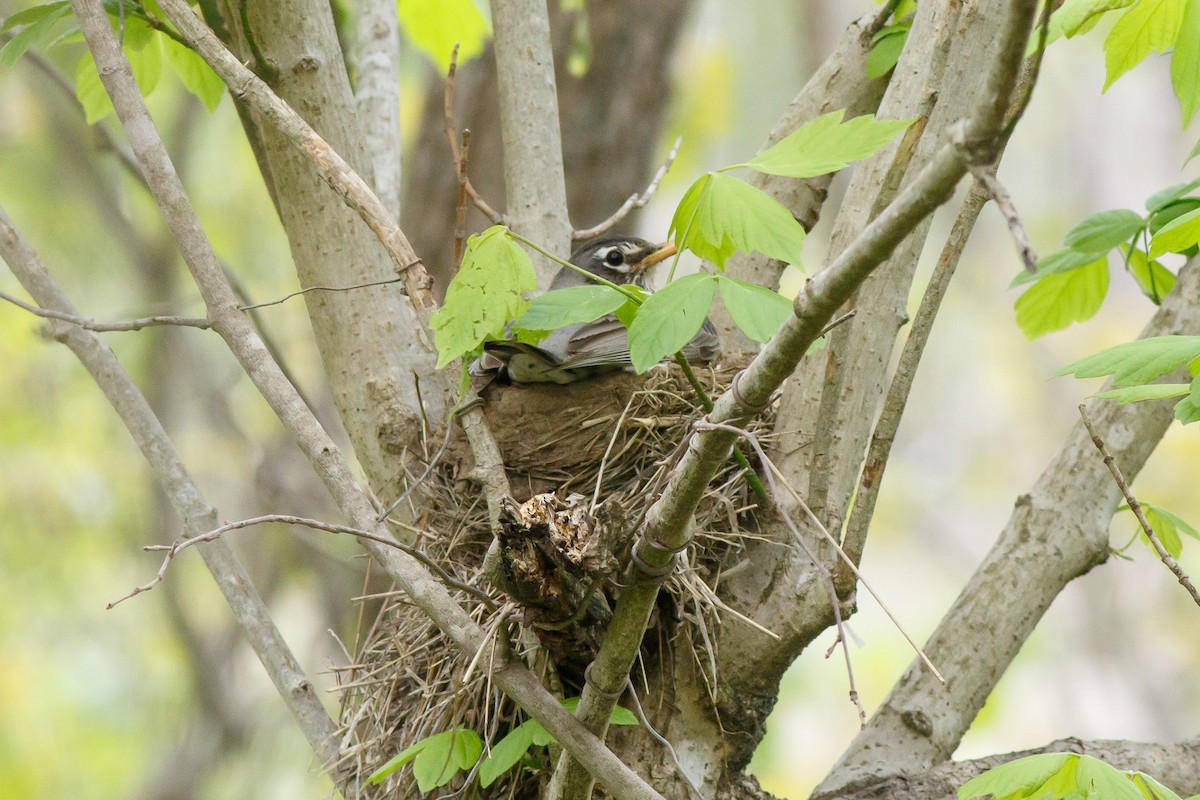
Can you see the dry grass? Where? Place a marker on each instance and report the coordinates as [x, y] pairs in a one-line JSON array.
[[407, 682]]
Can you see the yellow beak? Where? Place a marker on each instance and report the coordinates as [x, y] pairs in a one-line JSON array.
[[664, 251]]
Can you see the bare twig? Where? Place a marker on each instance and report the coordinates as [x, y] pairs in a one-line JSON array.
[[634, 200], [658, 737], [985, 175], [106, 327], [460, 157], [175, 549], [1136, 508], [773, 472], [460, 205], [289, 296]]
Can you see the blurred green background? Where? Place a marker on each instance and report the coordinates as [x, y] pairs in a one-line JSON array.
[[159, 698]]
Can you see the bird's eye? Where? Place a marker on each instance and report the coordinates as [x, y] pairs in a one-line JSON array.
[[614, 258]]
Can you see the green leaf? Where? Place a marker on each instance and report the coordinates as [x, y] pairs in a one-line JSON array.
[[37, 31], [1101, 232], [1187, 410], [1056, 301], [1150, 788], [1073, 15], [1177, 235], [197, 77], [34, 14], [1165, 197], [622, 716], [1153, 278], [1164, 529], [1060, 261], [505, 754], [89, 91], [1023, 777], [1097, 779], [484, 296], [451, 746], [1185, 61], [444, 755], [887, 45], [823, 145], [435, 26], [541, 737], [563, 307], [1148, 25], [1149, 391], [720, 215], [669, 319], [1195, 152], [1137, 362], [758, 311]]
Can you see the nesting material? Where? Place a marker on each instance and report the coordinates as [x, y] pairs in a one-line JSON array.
[[585, 462]]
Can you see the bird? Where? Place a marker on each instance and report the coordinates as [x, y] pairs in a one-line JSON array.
[[583, 350]]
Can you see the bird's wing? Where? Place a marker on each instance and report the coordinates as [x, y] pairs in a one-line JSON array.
[[705, 346], [602, 343]]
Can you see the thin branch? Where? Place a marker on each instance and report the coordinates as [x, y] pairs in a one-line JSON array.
[[986, 177], [460, 157], [634, 200], [235, 329], [107, 327], [185, 497], [1136, 508], [175, 549], [287, 297], [896, 400]]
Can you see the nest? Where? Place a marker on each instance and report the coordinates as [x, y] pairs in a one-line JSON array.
[[604, 449]]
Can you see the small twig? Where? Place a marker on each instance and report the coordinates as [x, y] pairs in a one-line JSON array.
[[985, 175], [658, 737], [634, 200], [460, 168], [287, 297], [460, 206], [428, 469], [1136, 508], [772, 470], [175, 549], [608, 451], [106, 327]]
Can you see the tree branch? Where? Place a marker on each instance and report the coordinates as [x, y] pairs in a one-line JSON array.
[[667, 527], [535, 184], [106, 327], [1057, 532], [248, 608], [233, 327], [377, 96]]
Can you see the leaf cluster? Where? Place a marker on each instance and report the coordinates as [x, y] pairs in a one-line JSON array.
[[438, 758], [1135, 365], [1063, 776], [148, 39], [1070, 284], [718, 216]]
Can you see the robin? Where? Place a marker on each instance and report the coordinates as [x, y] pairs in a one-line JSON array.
[[583, 350]]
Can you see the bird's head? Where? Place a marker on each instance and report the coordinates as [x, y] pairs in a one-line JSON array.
[[620, 259]]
